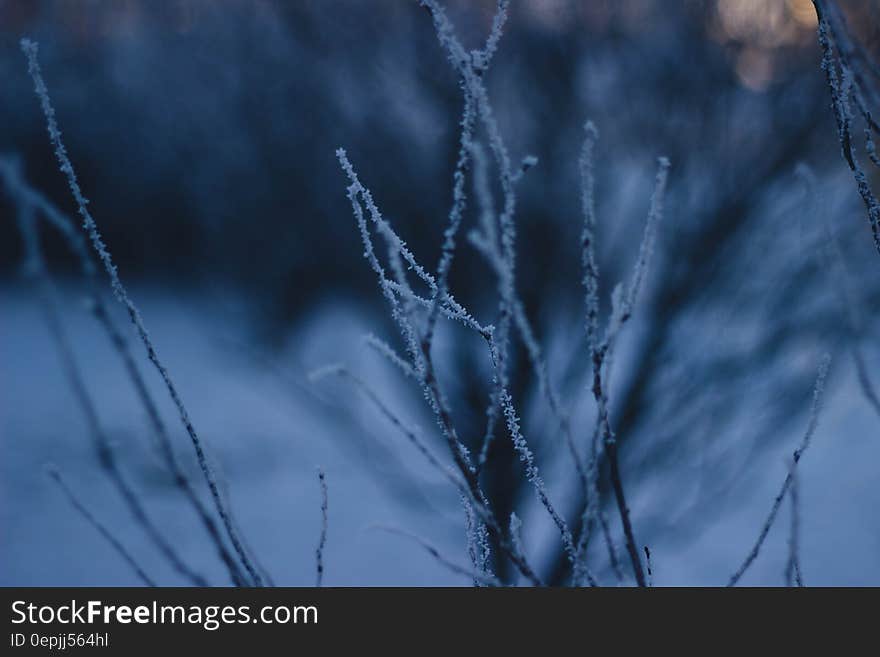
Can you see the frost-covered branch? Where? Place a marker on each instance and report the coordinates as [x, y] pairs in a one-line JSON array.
[[501, 256], [847, 85], [622, 306], [387, 351], [30, 50], [420, 352], [478, 548], [26, 197]]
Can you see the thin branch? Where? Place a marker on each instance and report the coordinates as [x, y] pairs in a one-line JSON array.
[[30, 50], [588, 234], [589, 263], [420, 353], [498, 245], [843, 84], [105, 533], [623, 303], [793, 565], [27, 197], [387, 351], [322, 541], [648, 566], [419, 346], [815, 409], [477, 535]]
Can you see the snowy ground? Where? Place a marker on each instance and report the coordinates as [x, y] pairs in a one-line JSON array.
[[267, 433]]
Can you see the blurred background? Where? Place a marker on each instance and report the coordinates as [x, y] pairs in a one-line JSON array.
[[204, 133]]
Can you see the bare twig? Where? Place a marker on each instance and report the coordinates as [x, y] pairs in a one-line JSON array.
[[105, 533], [815, 409], [37, 270], [420, 351], [30, 49], [322, 541], [29, 199]]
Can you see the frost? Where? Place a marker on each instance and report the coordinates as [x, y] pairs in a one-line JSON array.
[[30, 50]]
